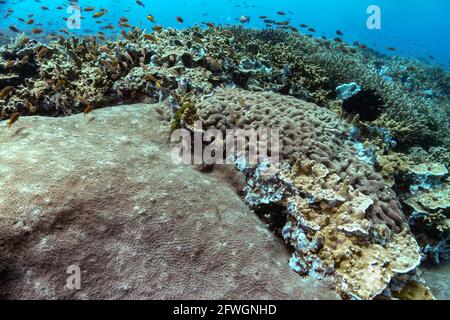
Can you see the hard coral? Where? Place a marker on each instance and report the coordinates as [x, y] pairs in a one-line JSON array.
[[329, 233], [312, 136]]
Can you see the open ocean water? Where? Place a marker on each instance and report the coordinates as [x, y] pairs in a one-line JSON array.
[[415, 28]]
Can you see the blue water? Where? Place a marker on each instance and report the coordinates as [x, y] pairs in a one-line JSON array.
[[415, 28]]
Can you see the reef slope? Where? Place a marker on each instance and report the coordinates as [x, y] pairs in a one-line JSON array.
[[102, 192]]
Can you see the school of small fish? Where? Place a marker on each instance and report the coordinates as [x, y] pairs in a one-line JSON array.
[[24, 21], [29, 24]]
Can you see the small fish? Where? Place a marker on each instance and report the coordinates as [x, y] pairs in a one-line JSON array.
[[281, 13], [210, 25], [88, 109], [153, 79], [89, 9], [151, 18], [140, 3], [244, 19], [42, 52], [311, 30], [150, 37], [242, 103], [160, 112], [6, 91], [13, 119], [391, 49], [24, 41], [44, 8], [98, 14], [14, 29], [31, 21], [339, 33], [60, 84], [180, 19], [36, 31], [157, 28]]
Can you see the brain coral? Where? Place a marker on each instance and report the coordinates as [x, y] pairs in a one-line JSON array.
[[341, 217], [313, 137]]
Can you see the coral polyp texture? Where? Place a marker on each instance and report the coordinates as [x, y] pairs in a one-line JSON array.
[[312, 136]]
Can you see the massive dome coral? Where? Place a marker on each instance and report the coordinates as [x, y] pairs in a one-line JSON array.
[[312, 136], [341, 216]]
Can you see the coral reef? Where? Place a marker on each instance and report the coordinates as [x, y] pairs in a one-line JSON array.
[[429, 203], [341, 217], [197, 60], [363, 135], [310, 136], [107, 198], [330, 235]]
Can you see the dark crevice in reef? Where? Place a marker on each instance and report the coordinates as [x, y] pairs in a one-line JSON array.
[[274, 216], [367, 104]]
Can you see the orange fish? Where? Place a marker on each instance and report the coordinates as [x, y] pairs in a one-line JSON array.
[[13, 119], [88, 109], [150, 37], [98, 14], [42, 52], [6, 91], [157, 28], [60, 84]]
